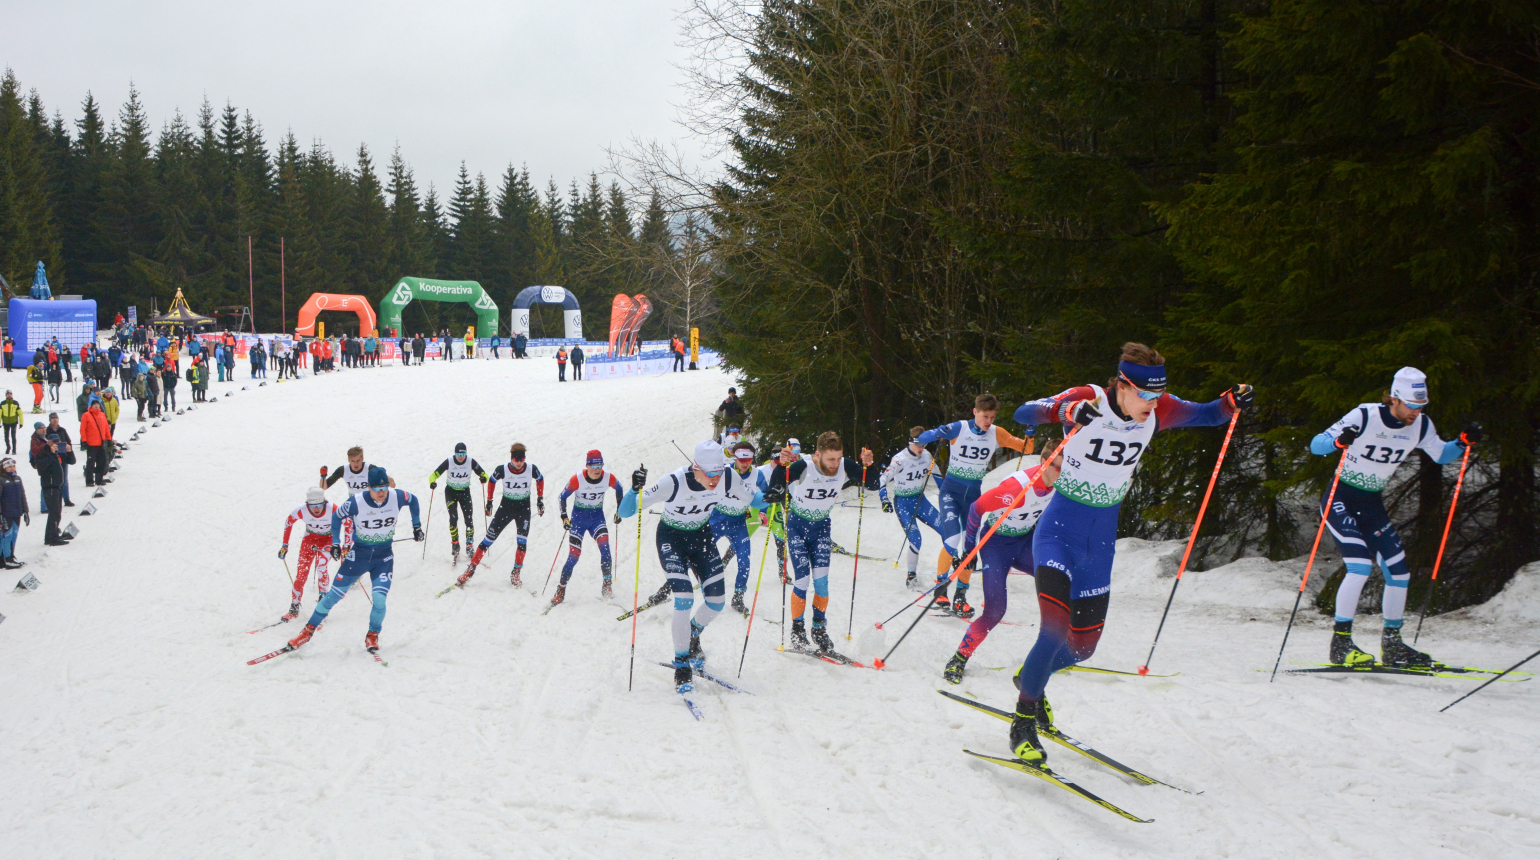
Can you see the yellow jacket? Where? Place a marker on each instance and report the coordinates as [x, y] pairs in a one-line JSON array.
[[109, 405], [10, 411]]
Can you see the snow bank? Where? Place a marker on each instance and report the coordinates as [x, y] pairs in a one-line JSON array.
[[1518, 602]]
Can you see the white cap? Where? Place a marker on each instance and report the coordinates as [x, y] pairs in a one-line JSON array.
[[708, 456], [315, 496], [1410, 387]]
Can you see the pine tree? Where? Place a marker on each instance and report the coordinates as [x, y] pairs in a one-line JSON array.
[[28, 232], [368, 227]]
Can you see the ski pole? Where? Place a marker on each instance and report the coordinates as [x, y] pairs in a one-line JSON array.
[[1144, 669], [783, 581], [636, 590], [1433, 583], [1011, 505], [566, 537], [1484, 686], [431, 496], [288, 574], [856, 571], [1325, 510], [764, 551], [935, 591]]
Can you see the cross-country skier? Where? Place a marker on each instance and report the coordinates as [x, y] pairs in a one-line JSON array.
[[517, 480], [727, 519], [1010, 547], [688, 495], [355, 473], [1374, 439], [457, 471], [731, 436], [907, 474], [371, 517], [1076, 537], [810, 487], [973, 443], [316, 514], [588, 488]]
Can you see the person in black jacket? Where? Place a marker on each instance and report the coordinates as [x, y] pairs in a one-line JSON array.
[[50, 465], [13, 512], [577, 362]]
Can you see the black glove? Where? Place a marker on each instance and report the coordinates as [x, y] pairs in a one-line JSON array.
[[283, 551], [433, 485], [540, 506], [1347, 437], [566, 523], [617, 519], [1080, 412], [775, 495], [1241, 397], [336, 552], [489, 507], [418, 534], [1472, 435], [639, 479], [887, 506]]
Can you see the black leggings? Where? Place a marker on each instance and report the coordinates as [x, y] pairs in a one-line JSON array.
[[459, 500]]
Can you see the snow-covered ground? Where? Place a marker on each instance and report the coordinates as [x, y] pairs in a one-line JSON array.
[[131, 726]]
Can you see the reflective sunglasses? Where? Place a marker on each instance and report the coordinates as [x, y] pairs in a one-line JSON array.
[[1143, 395], [711, 473]]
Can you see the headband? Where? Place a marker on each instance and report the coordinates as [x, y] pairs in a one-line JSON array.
[[1143, 375]]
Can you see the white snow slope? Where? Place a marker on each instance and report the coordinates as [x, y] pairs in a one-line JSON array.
[[131, 726]]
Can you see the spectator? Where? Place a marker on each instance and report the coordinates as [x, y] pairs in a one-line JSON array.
[[229, 365], [730, 412], [10, 352], [152, 389], [521, 345], [52, 469], [55, 379], [561, 364], [140, 391], [196, 373], [13, 512], [420, 348], [496, 342], [577, 362], [10, 417], [83, 400], [470, 344], [677, 346], [111, 407], [168, 386], [67, 358], [95, 435], [36, 377], [56, 429]]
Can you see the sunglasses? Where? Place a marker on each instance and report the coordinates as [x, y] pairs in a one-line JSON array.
[[711, 473], [1143, 395]]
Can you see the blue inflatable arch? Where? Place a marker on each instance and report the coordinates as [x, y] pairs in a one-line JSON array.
[[571, 315]]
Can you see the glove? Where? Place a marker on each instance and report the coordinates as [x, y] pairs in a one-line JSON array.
[[639, 479], [1080, 412], [617, 519], [27, 518], [566, 523], [540, 506], [489, 507], [418, 534], [1241, 397], [887, 506], [1472, 434], [1347, 437], [283, 551], [336, 552], [433, 485], [323, 471], [775, 495]]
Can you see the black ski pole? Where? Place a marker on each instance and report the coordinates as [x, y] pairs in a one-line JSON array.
[[1325, 510], [1484, 686], [884, 661]]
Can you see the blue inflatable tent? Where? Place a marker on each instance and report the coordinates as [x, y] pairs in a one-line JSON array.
[[34, 322]]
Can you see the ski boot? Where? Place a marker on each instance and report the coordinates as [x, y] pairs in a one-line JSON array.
[[738, 604], [683, 676], [953, 673], [293, 611], [1394, 652], [1024, 742], [454, 550], [607, 590], [466, 576], [372, 641], [821, 638], [560, 595], [942, 603], [960, 607], [303, 637], [799, 636], [513, 576], [696, 657], [912, 581], [1044, 714], [1343, 651]]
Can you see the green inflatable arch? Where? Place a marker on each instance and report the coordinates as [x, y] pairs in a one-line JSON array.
[[433, 290]]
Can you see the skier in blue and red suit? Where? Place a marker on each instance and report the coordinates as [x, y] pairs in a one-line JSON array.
[[587, 489]]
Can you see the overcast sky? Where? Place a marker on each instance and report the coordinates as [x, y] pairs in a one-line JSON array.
[[550, 84]]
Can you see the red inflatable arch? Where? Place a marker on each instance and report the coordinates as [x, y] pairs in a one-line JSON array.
[[318, 302]]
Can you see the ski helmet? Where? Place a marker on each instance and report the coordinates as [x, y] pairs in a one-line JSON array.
[[315, 496], [709, 459], [378, 480]]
